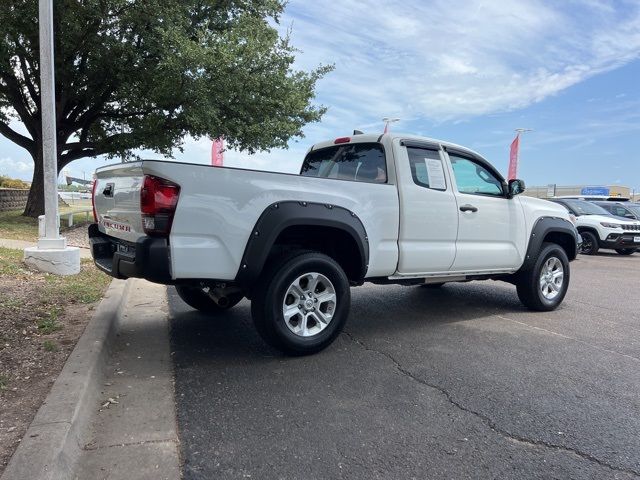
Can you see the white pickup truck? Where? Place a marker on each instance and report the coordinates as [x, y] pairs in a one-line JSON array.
[[384, 209]]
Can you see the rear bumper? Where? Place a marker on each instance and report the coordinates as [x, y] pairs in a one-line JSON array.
[[148, 258]]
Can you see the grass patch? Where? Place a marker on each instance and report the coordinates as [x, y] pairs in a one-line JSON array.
[[4, 382], [8, 303], [16, 227], [54, 292], [85, 287], [50, 346], [50, 323], [11, 262]]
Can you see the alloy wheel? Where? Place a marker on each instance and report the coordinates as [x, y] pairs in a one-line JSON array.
[[551, 278], [309, 304]]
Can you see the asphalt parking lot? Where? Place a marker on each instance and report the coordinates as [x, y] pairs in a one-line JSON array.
[[461, 382]]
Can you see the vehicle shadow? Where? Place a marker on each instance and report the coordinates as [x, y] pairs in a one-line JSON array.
[[376, 311], [614, 254]]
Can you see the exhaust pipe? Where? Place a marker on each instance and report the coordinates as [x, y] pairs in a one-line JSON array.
[[221, 301], [220, 295]]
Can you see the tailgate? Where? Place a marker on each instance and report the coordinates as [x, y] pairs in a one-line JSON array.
[[117, 200]]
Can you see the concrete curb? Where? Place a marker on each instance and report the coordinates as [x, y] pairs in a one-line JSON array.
[[53, 442]]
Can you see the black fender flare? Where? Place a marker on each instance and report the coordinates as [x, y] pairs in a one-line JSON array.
[[590, 230], [542, 227], [281, 215]]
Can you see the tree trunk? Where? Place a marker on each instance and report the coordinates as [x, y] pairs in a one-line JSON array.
[[35, 202]]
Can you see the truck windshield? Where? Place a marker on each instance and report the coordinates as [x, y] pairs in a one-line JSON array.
[[359, 162]]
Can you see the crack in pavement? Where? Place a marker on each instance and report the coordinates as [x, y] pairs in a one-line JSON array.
[[90, 448], [567, 337], [488, 421]]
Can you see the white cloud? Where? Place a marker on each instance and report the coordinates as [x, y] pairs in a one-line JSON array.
[[443, 61], [446, 60], [15, 168], [440, 61]]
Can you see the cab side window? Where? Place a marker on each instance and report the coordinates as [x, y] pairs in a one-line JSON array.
[[473, 178], [426, 168]]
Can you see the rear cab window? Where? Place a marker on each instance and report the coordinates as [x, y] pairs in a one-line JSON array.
[[356, 162]]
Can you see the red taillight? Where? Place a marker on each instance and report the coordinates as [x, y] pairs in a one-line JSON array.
[[342, 140], [93, 199], [158, 201]]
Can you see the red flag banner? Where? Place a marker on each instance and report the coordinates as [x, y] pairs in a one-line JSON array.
[[217, 152], [513, 158]]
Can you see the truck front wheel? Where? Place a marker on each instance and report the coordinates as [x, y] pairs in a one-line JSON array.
[[589, 244], [204, 300], [301, 302], [544, 286]]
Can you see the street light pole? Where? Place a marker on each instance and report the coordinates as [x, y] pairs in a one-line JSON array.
[[52, 254], [52, 237]]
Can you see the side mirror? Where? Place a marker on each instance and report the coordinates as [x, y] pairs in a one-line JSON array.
[[516, 187]]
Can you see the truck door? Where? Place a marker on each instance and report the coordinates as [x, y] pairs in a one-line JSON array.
[[428, 209], [491, 227]]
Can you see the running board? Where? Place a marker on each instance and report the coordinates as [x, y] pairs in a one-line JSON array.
[[440, 277]]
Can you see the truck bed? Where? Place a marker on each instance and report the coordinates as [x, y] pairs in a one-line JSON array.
[[218, 208]]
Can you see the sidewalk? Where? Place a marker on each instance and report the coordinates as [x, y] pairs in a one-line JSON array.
[[133, 432], [21, 245]]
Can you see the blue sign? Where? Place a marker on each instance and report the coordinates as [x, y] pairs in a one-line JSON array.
[[595, 191]]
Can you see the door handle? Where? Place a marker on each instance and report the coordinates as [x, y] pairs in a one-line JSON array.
[[468, 208]]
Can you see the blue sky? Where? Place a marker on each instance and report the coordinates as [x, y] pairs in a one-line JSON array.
[[469, 72]]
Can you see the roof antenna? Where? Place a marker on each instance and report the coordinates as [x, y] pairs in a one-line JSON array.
[[358, 132]]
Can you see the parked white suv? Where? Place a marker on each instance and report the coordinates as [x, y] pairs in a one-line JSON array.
[[601, 229], [384, 209]]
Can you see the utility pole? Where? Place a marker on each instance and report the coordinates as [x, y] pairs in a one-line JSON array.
[[52, 254]]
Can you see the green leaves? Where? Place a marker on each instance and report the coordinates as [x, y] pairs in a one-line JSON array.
[[144, 73]]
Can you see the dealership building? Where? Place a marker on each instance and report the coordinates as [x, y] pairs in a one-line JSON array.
[[611, 191]]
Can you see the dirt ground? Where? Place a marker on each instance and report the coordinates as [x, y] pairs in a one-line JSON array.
[[41, 318]]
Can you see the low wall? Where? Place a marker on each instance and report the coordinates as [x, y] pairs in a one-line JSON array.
[[16, 199], [13, 199]]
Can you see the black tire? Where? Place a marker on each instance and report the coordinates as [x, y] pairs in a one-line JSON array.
[[589, 244], [433, 286], [625, 251], [199, 299], [528, 284], [270, 293]]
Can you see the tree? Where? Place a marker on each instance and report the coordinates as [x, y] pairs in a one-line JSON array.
[[143, 74], [8, 182]]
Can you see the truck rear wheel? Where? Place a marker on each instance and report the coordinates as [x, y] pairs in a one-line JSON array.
[[544, 286], [625, 251], [301, 303], [203, 300]]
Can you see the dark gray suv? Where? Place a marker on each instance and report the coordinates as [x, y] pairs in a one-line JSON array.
[[627, 210]]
